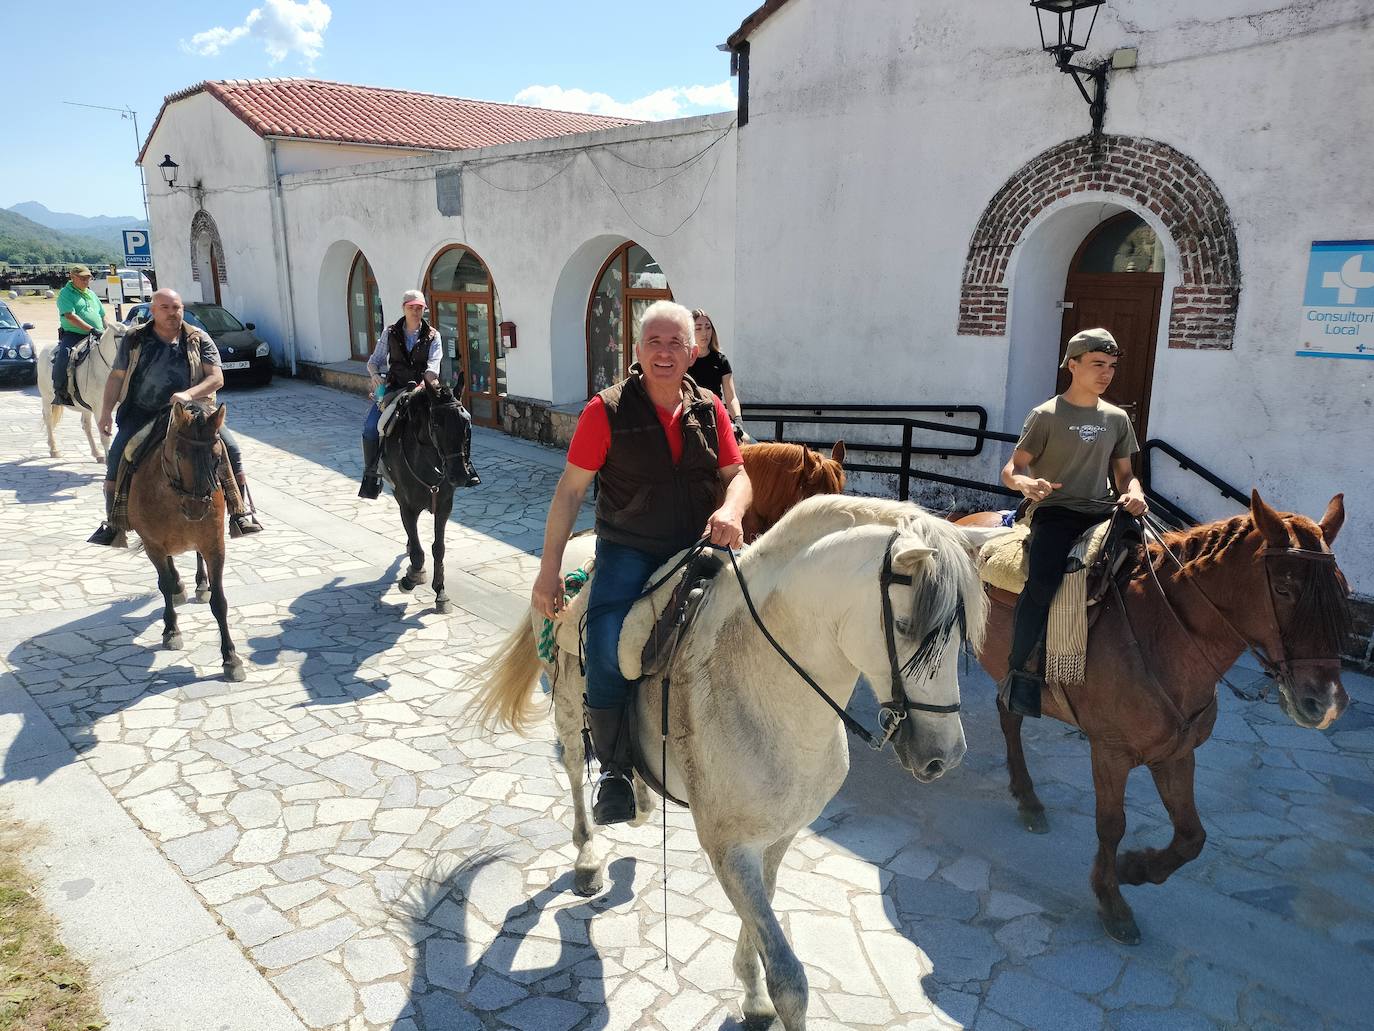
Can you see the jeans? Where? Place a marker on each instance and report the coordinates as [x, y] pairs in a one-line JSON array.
[[621, 573], [132, 426], [1053, 531], [62, 355]]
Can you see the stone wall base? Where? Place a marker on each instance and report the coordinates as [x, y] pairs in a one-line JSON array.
[[538, 420], [349, 376]]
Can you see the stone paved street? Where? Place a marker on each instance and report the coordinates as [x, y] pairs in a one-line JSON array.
[[381, 866]]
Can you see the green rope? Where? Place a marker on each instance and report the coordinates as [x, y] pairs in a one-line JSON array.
[[572, 585]]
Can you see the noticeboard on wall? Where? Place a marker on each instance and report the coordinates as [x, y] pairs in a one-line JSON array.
[[1338, 301]]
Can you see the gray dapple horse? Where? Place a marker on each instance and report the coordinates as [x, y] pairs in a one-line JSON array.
[[751, 748]]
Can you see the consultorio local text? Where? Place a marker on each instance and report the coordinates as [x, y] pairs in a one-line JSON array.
[[1341, 323]]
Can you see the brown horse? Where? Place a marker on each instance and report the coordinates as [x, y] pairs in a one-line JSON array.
[[176, 504], [782, 474], [1196, 600]]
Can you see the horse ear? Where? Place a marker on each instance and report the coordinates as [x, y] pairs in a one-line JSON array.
[[179, 413], [1268, 522], [1334, 518], [837, 452], [458, 382], [906, 555], [217, 420]]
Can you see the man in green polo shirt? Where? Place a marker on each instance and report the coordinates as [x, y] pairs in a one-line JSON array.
[[80, 314]]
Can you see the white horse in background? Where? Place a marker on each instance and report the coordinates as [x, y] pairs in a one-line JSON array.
[[751, 748], [90, 381]]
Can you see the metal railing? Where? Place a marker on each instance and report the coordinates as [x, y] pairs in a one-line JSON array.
[[782, 415]]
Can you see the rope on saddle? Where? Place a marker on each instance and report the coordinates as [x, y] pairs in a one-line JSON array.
[[572, 585]]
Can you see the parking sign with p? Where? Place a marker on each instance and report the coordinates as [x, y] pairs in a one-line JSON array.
[[138, 249]]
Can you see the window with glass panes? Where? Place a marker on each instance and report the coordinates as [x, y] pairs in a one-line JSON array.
[[627, 284]]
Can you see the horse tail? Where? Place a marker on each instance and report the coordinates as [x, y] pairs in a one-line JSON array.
[[504, 698]]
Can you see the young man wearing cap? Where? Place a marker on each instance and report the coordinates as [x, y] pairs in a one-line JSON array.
[[408, 352], [1069, 447], [80, 314]]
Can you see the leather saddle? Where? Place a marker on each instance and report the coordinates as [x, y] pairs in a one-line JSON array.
[[1110, 561]]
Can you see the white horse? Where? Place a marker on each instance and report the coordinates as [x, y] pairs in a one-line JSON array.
[[751, 748], [90, 381]]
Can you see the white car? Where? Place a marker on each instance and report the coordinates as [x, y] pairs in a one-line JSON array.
[[124, 284]]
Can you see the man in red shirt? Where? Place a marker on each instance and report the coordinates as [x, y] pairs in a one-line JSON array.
[[670, 471]]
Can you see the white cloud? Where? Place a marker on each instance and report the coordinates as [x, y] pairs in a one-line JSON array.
[[282, 26], [671, 102]]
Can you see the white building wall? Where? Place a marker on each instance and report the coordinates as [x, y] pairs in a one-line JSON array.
[[231, 163], [543, 216], [879, 132]]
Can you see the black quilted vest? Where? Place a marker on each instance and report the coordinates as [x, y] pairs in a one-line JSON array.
[[403, 367], [645, 501]]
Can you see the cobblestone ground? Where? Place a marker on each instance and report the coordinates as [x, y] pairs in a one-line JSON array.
[[386, 868]]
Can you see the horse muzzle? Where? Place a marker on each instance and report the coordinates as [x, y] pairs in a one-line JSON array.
[[929, 747], [1313, 698]]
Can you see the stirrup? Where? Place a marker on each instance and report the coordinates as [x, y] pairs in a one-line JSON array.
[[243, 523], [107, 536]]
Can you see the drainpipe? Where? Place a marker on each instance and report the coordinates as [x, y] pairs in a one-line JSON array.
[[281, 251]]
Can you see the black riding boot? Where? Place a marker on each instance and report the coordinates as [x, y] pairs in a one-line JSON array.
[[61, 357], [106, 535], [473, 479], [614, 800], [371, 487], [247, 520], [1020, 691]]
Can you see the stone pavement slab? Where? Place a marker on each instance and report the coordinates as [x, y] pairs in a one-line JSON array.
[[328, 845]]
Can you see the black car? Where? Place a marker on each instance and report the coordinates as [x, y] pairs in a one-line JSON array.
[[242, 354], [18, 356]]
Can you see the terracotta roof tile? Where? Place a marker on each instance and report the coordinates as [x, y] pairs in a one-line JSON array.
[[338, 112]]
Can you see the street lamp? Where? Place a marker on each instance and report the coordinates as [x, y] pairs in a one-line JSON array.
[[168, 168], [1063, 46]]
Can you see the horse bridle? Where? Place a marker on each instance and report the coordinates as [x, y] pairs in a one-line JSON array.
[[174, 474], [442, 473], [891, 713], [1278, 668]]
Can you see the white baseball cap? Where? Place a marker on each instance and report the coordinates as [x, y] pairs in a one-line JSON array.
[[413, 297]]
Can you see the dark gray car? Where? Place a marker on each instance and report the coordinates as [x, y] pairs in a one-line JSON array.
[[18, 356]]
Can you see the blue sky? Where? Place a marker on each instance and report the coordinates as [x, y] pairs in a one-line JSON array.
[[650, 60]]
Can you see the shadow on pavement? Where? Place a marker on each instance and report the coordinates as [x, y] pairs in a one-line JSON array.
[[333, 631], [35, 482], [81, 672], [516, 975]]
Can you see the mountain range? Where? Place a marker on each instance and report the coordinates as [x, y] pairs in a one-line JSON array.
[[30, 232]]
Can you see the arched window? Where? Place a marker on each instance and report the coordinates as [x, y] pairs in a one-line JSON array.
[[627, 284], [1125, 243], [465, 309], [364, 309], [207, 257]]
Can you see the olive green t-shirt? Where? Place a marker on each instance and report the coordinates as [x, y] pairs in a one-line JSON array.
[[1074, 445]]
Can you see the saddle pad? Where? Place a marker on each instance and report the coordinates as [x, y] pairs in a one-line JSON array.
[[1002, 561], [639, 624]]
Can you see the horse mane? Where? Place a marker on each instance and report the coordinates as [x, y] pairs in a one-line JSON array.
[[781, 474], [951, 586], [1322, 611]]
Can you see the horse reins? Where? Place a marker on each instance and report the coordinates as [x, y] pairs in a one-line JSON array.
[[199, 447], [442, 474], [1279, 669]]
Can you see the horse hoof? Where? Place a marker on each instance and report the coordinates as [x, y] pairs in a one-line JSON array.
[[233, 672], [443, 606], [179, 598], [203, 596], [588, 883], [759, 1021], [1121, 929], [1034, 820], [171, 642], [406, 584]]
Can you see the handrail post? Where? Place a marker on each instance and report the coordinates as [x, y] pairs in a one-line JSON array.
[[904, 483]]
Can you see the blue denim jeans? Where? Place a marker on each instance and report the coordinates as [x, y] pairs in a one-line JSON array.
[[621, 574], [131, 426]]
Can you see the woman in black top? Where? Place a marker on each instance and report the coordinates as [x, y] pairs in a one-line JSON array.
[[711, 371]]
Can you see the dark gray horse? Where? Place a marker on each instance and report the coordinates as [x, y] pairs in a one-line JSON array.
[[426, 457]]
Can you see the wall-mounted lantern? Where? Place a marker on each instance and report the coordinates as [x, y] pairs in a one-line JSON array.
[[169, 169], [1064, 42]]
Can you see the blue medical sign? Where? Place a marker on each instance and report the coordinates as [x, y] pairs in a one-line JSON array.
[[138, 249], [1338, 301]]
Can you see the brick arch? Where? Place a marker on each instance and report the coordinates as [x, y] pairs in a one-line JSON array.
[[1148, 173], [202, 223]]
